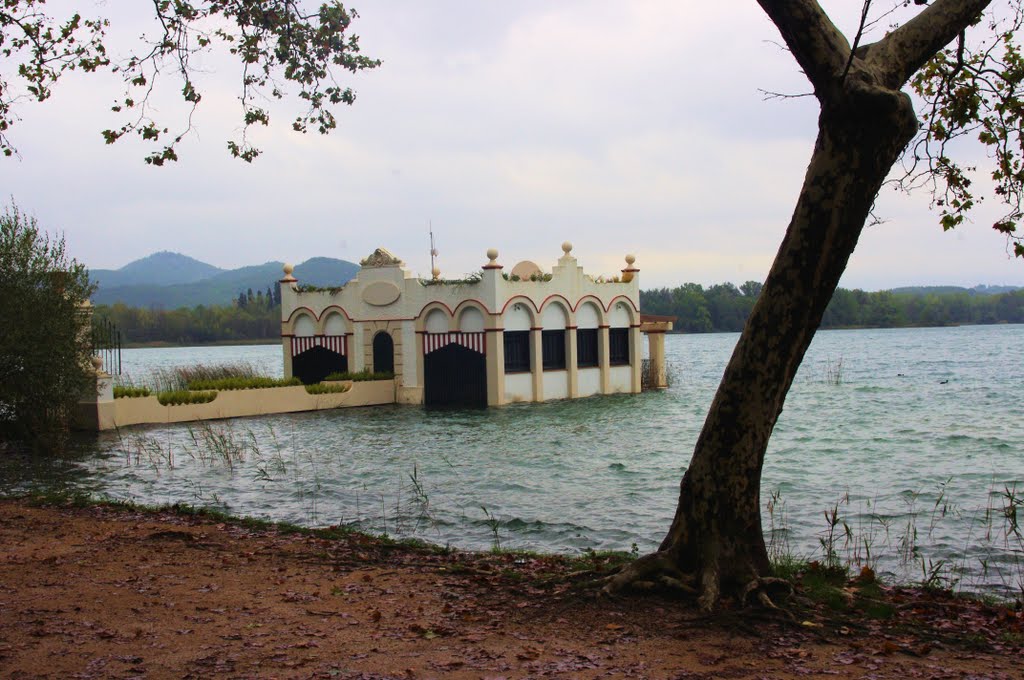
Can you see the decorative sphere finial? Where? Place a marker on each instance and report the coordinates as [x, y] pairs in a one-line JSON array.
[[566, 247], [288, 268], [630, 259], [436, 272]]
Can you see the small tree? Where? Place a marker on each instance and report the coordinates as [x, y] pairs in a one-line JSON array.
[[44, 350]]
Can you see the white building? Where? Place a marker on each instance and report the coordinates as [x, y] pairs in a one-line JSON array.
[[500, 338]]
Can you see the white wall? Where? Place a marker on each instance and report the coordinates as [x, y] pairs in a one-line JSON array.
[[518, 387], [516, 317], [335, 324], [554, 317], [586, 316], [436, 322], [589, 381], [618, 317], [471, 320], [305, 326], [410, 349], [620, 379], [556, 385]]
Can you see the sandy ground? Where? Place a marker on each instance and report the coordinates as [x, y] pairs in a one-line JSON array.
[[111, 593]]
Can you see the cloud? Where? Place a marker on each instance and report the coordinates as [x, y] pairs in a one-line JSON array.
[[622, 127]]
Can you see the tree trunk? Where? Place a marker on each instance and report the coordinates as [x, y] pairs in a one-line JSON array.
[[716, 532], [865, 123], [716, 535]]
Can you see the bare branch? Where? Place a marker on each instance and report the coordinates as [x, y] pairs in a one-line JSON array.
[[904, 51], [818, 46]]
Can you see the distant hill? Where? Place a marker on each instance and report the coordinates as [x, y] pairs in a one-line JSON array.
[[947, 290], [159, 269], [157, 281]]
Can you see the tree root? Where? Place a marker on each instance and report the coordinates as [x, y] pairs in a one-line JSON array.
[[658, 571], [759, 588], [650, 572]]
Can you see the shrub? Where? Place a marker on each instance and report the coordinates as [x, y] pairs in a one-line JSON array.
[[242, 383], [361, 376], [180, 377], [321, 388], [122, 392], [178, 397], [44, 351]]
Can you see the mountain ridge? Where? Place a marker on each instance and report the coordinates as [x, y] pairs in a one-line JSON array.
[[170, 280]]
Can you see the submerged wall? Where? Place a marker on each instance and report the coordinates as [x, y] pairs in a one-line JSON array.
[[106, 414]]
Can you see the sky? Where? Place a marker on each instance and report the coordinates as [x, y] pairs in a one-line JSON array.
[[623, 127]]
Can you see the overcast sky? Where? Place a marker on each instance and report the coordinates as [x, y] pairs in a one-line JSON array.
[[623, 127]]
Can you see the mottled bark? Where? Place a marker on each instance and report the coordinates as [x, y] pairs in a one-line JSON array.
[[717, 528], [865, 123]]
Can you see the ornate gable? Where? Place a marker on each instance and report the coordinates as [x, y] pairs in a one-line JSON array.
[[380, 258]]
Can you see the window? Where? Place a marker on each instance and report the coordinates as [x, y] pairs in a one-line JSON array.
[[553, 346], [517, 351], [618, 346], [586, 347]]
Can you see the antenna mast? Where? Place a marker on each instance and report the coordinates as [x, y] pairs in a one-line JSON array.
[[433, 251]]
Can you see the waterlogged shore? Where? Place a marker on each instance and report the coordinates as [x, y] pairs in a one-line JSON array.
[[100, 591]]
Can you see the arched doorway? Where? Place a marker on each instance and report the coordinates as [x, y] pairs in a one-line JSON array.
[[317, 363], [455, 375], [383, 353]]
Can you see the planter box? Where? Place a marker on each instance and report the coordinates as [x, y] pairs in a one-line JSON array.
[[240, 403]]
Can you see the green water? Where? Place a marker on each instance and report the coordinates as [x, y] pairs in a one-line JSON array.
[[919, 446]]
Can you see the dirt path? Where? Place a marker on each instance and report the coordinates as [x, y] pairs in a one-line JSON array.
[[110, 593]]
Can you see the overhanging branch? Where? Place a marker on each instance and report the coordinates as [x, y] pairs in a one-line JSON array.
[[903, 52], [818, 46]]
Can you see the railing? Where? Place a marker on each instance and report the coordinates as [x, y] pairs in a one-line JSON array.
[[106, 344]]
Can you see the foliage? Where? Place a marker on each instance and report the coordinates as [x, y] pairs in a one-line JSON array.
[[179, 397], [122, 392], [361, 376], [723, 307], [44, 351], [274, 42], [973, 88], [197, 325], [243, 383], [309, 288], [467, 280], [536, 276], [181, 377], [321, 388]]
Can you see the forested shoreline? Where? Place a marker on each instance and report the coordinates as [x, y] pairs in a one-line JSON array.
[[724, 307], [719, 308]]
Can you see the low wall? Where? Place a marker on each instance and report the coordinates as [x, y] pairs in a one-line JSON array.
[[240, 403]]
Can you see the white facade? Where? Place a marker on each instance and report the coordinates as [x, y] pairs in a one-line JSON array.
[[493, 341]]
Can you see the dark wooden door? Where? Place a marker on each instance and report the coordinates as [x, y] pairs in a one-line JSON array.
[[454, 376], [383, 353]]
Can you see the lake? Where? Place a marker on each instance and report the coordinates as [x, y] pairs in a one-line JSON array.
[[916, 448]]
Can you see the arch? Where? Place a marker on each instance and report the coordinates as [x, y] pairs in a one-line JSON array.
[[334, 323], [437, 321], [287, 327], [554, 316], [304, 325], [471, 303], [518, 317], [589, 315], [428, 310], [621, 314], [383, 353], [471, 320], [527, 303]]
